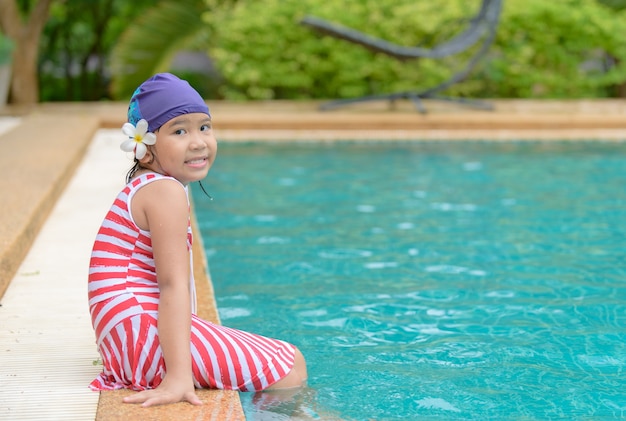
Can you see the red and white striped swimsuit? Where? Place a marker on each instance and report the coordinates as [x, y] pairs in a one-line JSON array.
[[124, 301]]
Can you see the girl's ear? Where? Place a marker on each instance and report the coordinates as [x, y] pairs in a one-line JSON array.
[[148, 158]]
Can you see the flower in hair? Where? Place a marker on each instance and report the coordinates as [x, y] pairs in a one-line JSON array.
[[138, 138]]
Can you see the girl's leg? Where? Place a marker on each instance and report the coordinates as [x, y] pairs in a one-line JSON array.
[[226, 358]]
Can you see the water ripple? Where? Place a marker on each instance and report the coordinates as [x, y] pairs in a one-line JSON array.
[[344, 253]]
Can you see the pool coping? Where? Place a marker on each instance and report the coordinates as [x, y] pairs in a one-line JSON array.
[[40, 156]]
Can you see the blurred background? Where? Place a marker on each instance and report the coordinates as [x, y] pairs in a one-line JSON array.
[[100, 50]]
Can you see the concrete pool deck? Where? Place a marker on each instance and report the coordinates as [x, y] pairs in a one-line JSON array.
[[61, 172]]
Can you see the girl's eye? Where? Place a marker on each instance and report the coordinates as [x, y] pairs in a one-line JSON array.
[[205, 127], [180, 132]]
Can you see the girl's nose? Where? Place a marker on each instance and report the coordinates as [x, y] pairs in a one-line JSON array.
[[198, 140]]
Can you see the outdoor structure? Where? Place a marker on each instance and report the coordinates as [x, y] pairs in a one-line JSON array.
[[482, 28]]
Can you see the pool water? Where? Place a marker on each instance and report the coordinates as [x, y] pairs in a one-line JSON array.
[[428, 280]]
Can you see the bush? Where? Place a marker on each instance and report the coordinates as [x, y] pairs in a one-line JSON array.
[[557, 49], [265, 53], [544, 49]]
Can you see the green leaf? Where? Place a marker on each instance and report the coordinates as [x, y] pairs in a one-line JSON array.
[[148, 46]]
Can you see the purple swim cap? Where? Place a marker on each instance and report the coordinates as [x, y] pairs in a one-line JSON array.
[[163, 97]]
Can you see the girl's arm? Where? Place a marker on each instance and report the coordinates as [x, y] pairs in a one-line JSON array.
[[162, 206]]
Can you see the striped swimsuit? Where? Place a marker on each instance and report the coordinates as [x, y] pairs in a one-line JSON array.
[[124, 301]]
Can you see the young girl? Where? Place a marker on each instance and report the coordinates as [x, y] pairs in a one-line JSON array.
[[141, 287]]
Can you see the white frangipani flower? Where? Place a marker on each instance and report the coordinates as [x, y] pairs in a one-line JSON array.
[[138, 138]]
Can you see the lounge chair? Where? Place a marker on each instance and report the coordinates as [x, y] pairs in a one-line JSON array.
[[481, 28]]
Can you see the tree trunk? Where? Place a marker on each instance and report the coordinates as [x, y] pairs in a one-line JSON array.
[[26, 34], [25, 82]]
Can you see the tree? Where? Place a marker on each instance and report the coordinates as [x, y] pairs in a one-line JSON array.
[[150, 45], [76, 43], [24, 27]]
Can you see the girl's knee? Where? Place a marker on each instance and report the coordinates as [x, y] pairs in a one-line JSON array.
[[300, 366], [297, 377]]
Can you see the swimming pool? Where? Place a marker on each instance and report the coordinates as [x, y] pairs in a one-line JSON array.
[[454, 280]]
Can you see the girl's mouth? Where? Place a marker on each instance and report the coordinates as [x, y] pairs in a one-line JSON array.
[[197, 162]]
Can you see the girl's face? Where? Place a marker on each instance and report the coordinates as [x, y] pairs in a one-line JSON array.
[[185, 147]]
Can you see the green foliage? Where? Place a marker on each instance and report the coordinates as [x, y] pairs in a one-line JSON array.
[[557, 49], [264, 53], [614, 4], [546, 49], [149, 45], [75, 45], [6, 49]]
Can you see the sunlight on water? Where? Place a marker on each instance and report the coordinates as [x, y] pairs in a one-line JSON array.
[[428, 280]]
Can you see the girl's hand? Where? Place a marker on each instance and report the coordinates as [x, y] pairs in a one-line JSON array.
[[165, 394]]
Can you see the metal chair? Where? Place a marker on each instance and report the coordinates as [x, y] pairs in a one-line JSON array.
[[482, 28]]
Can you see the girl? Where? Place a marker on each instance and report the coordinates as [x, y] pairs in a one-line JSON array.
[[141, 288]]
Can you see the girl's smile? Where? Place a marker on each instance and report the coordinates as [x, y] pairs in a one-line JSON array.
[[198, 162]]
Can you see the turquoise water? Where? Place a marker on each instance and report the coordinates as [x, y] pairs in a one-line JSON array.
[[428, 280]]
